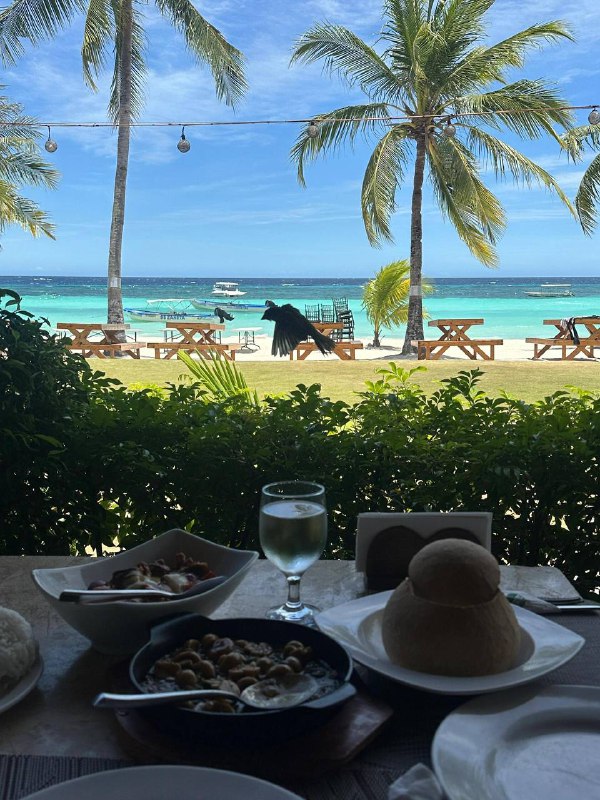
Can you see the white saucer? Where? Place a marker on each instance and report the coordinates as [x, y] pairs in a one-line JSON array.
[[357, 626], [164, 781], [528, 744], [23, 687]]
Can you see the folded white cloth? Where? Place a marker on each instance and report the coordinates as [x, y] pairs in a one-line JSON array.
[[532, 603], [419, 783]]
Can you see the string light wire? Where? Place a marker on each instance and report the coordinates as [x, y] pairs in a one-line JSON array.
[[440, 117]]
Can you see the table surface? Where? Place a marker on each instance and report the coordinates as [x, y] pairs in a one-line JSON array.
[[57, 719], [196, 326], [436, 323]]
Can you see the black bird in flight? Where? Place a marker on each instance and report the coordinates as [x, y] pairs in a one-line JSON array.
[[292, 327], [222, 315]]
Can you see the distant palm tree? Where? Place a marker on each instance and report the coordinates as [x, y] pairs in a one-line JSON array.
[[20, 163], [436, 66], [385, 297], [588, 194], [115, 29]]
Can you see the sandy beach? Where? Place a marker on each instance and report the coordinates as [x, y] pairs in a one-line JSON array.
[[391, 349]]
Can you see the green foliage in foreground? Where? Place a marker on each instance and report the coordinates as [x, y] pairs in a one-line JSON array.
[[89, 460]]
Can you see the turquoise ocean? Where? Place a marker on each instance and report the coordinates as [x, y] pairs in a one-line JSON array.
[[508, 312]]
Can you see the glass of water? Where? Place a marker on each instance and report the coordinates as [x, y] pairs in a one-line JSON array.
[[293, 533]]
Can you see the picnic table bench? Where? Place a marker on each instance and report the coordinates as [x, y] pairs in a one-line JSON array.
[[203, 338], [563, 339], [454, 334], [346, 351], [98, 339]]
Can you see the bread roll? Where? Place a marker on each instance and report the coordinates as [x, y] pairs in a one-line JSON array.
[[18, 649], [449, 616]]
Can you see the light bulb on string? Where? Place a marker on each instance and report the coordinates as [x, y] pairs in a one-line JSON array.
[[449, 131], [313, 130], [594, 116], [50, 146], [183, 145]]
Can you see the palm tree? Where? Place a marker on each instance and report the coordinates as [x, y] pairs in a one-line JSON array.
[[436, 67], [117, 27], [588, 194], [385, 297], [20, 163]]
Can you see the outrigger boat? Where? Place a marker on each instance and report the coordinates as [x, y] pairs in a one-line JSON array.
[[167, 310], [232, 306], [552, 290]]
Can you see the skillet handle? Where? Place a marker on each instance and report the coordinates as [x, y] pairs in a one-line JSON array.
[[345, 692]]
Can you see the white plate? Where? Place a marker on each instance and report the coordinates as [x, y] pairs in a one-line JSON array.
[[528, 744], [160, 782], [23, 687], [357, 626]]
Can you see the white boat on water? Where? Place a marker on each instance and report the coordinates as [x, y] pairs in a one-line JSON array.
[[227, 289], [232, 305], [166, 310], [552, 290]]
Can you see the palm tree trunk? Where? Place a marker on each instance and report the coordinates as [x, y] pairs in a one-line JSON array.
[[115, 296], [414, 325]]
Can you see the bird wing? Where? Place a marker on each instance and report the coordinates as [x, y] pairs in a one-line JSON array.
[[292, 327]]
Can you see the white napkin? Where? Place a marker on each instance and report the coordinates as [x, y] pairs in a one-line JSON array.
[[419, 783], [531, 602]]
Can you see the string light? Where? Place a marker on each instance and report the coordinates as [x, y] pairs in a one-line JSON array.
[[449, 131], [50, 146], [594, 116], [313, 130], [183, 145]]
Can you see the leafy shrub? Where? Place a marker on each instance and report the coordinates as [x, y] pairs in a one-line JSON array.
[[132, 464]]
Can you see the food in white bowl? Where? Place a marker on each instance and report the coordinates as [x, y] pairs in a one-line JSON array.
[[18, 648], [122, 627]]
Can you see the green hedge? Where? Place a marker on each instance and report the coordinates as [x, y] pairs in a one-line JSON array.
[[89, 460]]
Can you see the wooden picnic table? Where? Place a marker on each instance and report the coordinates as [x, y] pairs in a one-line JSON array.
[[454, 333], [99, 339], [203, 338], [346, 351], [563, 339], [54, 733]]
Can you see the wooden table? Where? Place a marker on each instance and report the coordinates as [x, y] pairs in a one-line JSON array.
[[203, 338], [454, 333], [99, 339], [346, 351], [57, 719], [562, 339]]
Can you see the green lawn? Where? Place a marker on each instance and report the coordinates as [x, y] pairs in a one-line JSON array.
[[341, 380]]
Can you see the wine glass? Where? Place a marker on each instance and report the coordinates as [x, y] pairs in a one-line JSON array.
[[293, 533]]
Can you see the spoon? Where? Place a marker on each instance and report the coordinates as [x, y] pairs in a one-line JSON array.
[[99, 595], [290, 690]]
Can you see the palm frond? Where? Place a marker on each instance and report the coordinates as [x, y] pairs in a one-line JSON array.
[[335, 128], [98, 34], [385, 171], [474, 211], [575, 140], [485, 65], [503, 158], [221, 378], [531, 106], [17, 210], [34, 20], [588, 197], [385, 297], [210, 47], [345, 54], [23, 166]]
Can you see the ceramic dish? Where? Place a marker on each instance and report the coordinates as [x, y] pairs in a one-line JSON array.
[[22, 688], [160, 782], [122, 627], [357, 626], [522, 745]]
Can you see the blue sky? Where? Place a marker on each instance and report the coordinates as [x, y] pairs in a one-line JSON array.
[[232, 206]]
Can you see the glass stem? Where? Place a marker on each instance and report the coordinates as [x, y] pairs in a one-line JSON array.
[[293, 599]]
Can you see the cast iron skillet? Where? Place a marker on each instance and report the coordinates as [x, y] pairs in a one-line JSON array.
[[250, 727]]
